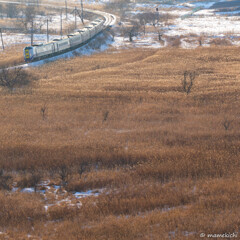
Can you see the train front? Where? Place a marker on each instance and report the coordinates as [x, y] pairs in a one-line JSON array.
[[28, 54]]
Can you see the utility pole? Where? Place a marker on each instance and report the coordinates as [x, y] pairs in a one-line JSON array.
[[47, 31], [61, 23], [32, 34], [66, 9], [82, 12], [75, 12], [2, 39]]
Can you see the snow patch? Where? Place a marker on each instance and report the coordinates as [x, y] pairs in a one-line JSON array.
[[27, 190], [86, 194]]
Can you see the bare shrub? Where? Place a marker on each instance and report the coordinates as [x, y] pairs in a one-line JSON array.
[[188, 80], [226, 124], [159, 32], [44, 111], [148, 17], [82, 167], [221, 42], [200, 40], [131, 31], [29, 14], [64, 172], [105, 116], [119, 6], [12, 10], [174, 41], [5, 181], [31, 180], [16, 77]]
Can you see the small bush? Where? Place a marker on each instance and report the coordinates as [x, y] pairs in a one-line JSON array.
[[30, 181], [12, 78], [220, 42], [5, 181]]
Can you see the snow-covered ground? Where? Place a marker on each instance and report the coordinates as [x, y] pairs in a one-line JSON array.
[[20, 38], [207, 23], [53, 25], [54, 195], [192, 20]]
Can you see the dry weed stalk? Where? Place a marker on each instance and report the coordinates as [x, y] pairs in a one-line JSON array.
[[44, 111], [226, 124], [105, 116]]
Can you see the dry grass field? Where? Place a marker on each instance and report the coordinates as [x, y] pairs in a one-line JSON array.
[[12, 55], [165, 163]]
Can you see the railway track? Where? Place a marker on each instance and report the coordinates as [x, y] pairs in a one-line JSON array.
[[110, 20]]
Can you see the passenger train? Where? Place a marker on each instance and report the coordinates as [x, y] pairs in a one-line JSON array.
[[59, 46]]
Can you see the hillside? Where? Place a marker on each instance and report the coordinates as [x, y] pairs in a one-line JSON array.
[[147, 159]]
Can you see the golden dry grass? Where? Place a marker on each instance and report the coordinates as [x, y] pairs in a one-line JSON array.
[[12, 55], [167, 164]]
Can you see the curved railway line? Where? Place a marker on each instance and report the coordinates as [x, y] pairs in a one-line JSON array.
[[108, 21]]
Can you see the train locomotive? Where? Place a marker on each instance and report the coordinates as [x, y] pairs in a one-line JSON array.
[[59, 46]]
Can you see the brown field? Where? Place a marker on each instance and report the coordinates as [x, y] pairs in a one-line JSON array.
[[12, 55], [166, 163]]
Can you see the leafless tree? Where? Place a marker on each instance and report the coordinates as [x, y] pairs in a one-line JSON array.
[[118, 6], [15, 77], [64, 172], [29, 14], [151, 18], [188, 80], [35, 180], [131, 30], [12, 10], [148, 17], [31, 179], [159, 32], [37, 2], [82, 167], [112, 33]]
